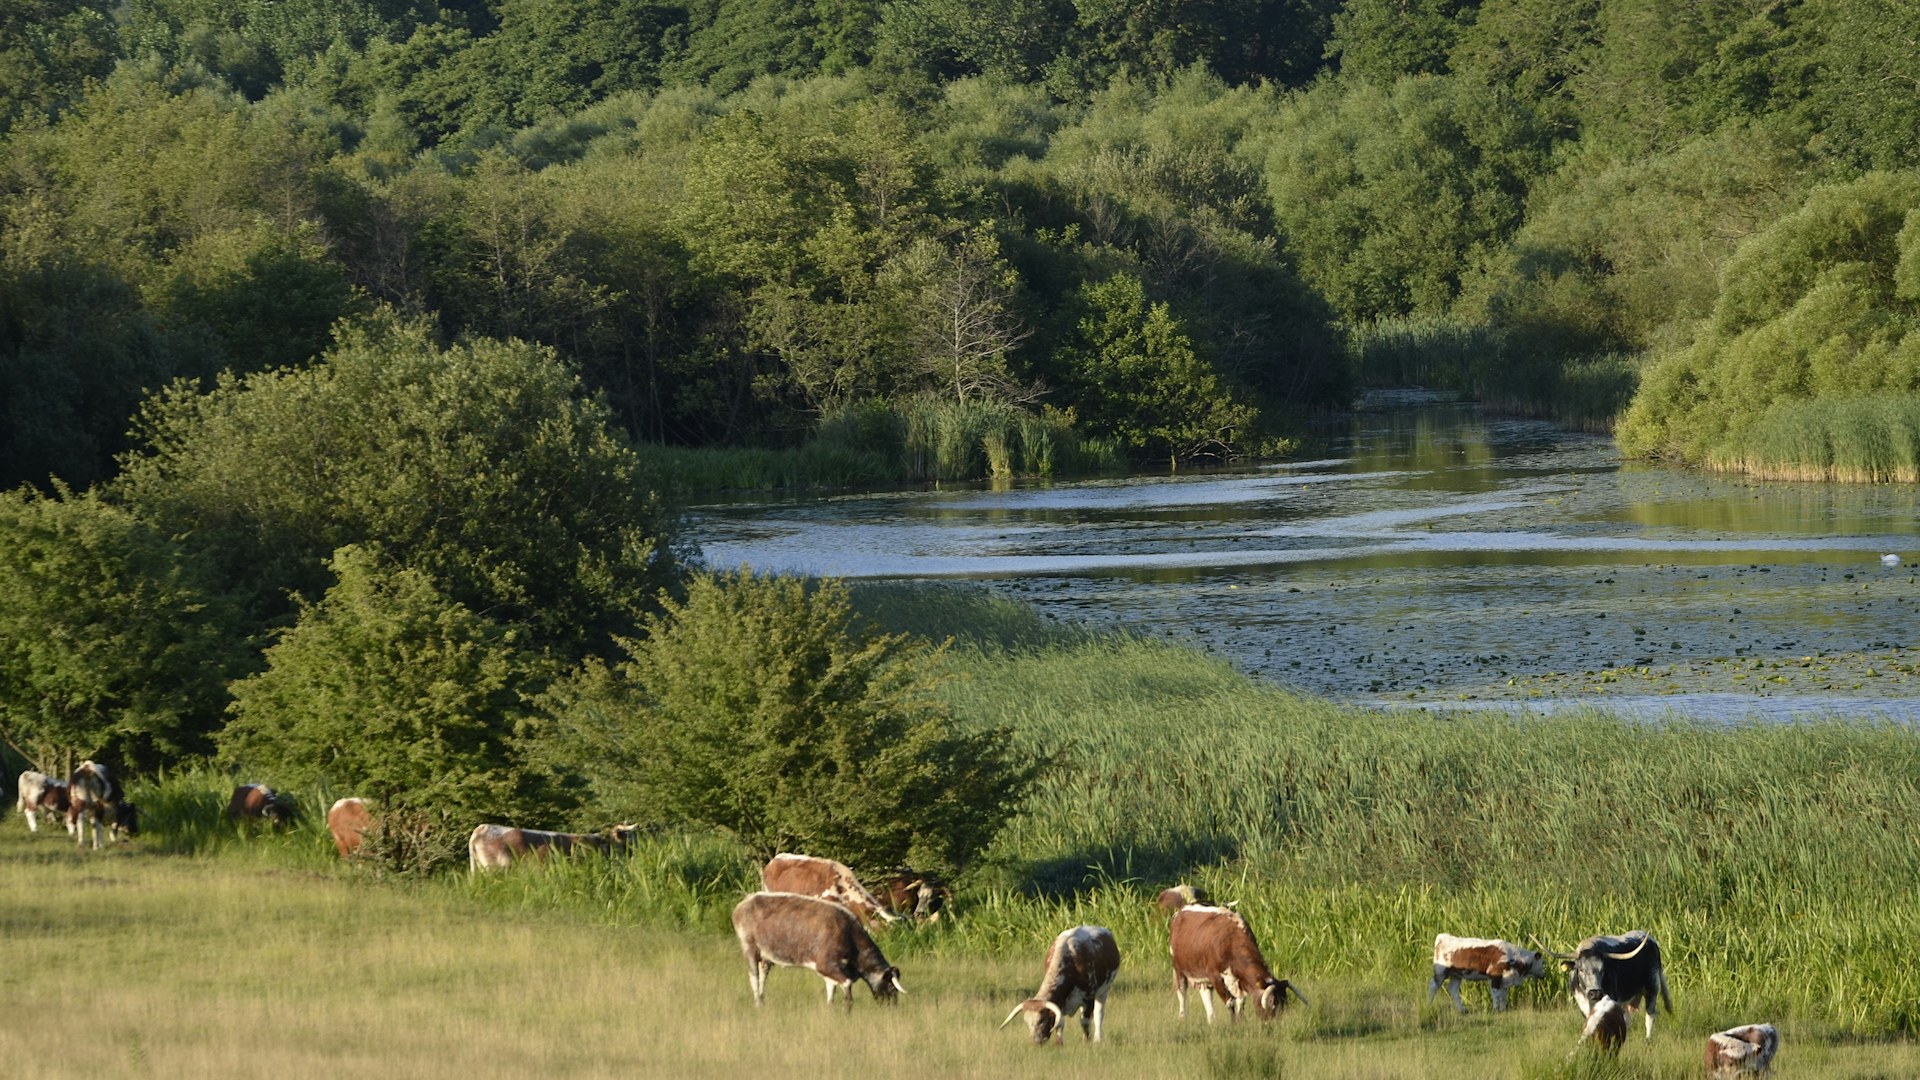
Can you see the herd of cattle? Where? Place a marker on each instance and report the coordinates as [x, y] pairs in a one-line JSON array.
[[814, 913]]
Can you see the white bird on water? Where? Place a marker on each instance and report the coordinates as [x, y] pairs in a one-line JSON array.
[[1889, 560]]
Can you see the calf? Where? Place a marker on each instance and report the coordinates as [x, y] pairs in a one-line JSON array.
[[39, 792], [1748, 1049], [1606, 1027], [1172, 900], [89, 800], [1213, 949], [1500, 964], [258, 802], [348, 820], [1625, 968], [916, 896], [1081, 965], [805, 931], [494, 846], [810, 875]]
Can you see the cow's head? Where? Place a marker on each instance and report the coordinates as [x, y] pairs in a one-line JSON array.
[[887, 986], [1273, 997], [1044, 1019], [620, 836]]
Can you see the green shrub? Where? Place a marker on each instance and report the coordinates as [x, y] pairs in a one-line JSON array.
[[758, 705]]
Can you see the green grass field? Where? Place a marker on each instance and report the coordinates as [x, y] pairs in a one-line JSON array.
[[264, 959], [1778, 865]]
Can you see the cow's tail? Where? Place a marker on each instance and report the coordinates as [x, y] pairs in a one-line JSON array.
[[1660, 976]]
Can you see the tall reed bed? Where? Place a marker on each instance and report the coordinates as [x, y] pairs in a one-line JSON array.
[[1749, 850], [1851, 439], [914, 440], [1507, 375]]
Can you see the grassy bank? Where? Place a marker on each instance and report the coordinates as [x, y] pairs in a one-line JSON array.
[[1853, 438], [251, 963]]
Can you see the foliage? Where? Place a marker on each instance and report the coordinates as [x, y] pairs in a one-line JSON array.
[[1135, 368], [759, 705], [388, 688], [1819, 304], [115, 642], [483, 466]]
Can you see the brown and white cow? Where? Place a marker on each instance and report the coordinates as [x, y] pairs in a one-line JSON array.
[[258, 802], [1214, 951], [348, 821], [1179, 896], [1500, 964], [913, 895], [39, 792], [1606, 1027], [89, 801], [806, 931], [494, 846], [1081, 965], [1747, 1049], [810, 875]]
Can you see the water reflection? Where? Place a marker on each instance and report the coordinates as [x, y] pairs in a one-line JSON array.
[[1437, 554]]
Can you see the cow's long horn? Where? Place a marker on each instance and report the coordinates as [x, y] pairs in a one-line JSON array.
[[895, 979], [1629, 955], [1017, 1009], [1296, 993], [1059, 1017]]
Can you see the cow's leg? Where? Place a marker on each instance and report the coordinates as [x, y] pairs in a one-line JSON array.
[[1180, 993], [1433, 987], [1206, 999], [32, 825], [1499, 995], [1650, 1009], [1453, 991], [1099, 1009]]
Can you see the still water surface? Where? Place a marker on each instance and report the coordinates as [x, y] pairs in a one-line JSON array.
[[1435, 556]]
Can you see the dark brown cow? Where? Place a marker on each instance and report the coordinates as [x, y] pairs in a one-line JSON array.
[[125, 822], [494, 846], [1500, 964], [1172, 900], [1081, 965], [1606, 1027], [348, 820], [810, 875], [1748, 1049], [806, 931], [1214, 951], [258, 802], [917, 896], [89, 801], [41, 793]]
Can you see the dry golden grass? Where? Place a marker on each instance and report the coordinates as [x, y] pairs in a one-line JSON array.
[[135, 964]]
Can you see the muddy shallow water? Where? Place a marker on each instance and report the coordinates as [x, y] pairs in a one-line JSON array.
[[1437, 557]]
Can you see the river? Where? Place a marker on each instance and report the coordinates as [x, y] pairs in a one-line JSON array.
[[1434, 557]]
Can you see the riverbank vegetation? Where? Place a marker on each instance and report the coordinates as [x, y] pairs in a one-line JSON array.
[[1348, 837], [1030, 237]]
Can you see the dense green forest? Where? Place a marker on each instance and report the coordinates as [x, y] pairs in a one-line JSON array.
[[351, 353]]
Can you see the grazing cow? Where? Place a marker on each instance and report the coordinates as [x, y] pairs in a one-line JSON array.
[[39, 792], [1081, 965], [492, 846], [258, 802], [809, 875], [1748, 1049], [1213, 949], [916, 896], [125, 822], [89, 800], [1625, 968], [1172, 900], [1606, 1027], [806, 931], [348, 820], [1500, 964]]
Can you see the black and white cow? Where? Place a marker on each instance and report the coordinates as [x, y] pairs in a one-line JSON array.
[[1625, 968]]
